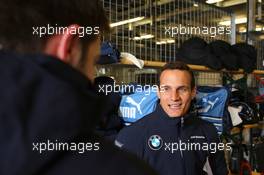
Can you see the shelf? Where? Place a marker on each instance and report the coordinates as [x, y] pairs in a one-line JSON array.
[[251, 126], [236, 130], [159, 64]]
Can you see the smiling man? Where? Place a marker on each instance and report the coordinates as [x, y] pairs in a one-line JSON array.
[[166, 137]]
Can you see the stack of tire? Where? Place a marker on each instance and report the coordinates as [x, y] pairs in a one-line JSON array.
[[218, 54]]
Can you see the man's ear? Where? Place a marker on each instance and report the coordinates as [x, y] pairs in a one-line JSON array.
[[65, 46]]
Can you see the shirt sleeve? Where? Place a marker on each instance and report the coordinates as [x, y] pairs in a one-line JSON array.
[[130, 139]]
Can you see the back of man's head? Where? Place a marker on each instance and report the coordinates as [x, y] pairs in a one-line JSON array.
[[21, 19]]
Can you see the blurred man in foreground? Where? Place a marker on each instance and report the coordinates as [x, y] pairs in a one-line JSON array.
[[48, 107]]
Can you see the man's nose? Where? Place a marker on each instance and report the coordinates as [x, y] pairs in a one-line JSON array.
[[175, 95]]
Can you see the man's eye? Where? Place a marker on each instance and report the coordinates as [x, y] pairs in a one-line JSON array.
[[164, 89], [183, 90]]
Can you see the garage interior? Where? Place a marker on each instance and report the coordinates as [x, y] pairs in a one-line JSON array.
[[146, 29]]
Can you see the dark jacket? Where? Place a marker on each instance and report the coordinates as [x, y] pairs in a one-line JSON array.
[[110, 122], [43, 100], [157, 137]]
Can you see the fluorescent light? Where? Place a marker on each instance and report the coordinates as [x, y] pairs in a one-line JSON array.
[[213, 1], [165, 41], [171, 41], [195, 4], [225, 23], [160, 42], [242, 30], [142, 22], [237, 21], [126, 21], [137, 38], [148, 36], [241, 20], [258, 29]]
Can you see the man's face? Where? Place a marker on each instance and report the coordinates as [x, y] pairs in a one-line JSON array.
[[175, 92]]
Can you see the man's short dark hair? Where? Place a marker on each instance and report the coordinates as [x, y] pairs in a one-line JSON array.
[[178, 65], [18, 18]]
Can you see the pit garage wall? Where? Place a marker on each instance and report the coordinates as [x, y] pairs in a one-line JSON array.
[[160, 20]]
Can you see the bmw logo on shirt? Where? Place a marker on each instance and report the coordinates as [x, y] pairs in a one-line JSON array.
[[155, 142]]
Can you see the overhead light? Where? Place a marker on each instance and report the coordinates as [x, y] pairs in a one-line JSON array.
[[259, 1], [143, 22], [237, 21], [137, 38], [160, 42], [195, 4], [171, 41], [258, 28], [148, 36], [242, 30], [240, 20], [126, 21], [165, 41], [213, 1]]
